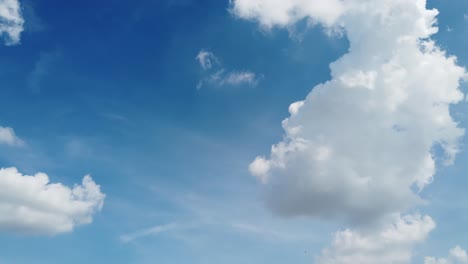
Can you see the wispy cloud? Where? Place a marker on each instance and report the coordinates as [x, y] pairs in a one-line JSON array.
[[215, 74], [41, 69], [155, 230], [267, 233], [207, 59]]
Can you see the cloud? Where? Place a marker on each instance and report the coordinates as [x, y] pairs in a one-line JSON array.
[[237, 78], [42, 68], [219, 76], [457, 255], [270, 13], [360, 147], [391, 245], [267, 233], [11, 21], [223, 78], [148, 232], [8, 137], [32, 205], [207, 59]]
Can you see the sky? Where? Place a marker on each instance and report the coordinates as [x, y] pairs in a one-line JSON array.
[[242, 131]]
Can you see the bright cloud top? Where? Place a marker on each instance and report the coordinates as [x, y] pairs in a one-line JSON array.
[[284, 13], [357, 144], [33, 205], [457, 255], [11, 21], [8, 137], [360, 146]]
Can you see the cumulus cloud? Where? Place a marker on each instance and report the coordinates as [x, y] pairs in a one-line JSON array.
[[8, 137], [391, 245], [11, 21], [271, 13], [32, 205], [217, 75], [457, 255], [360, 147]]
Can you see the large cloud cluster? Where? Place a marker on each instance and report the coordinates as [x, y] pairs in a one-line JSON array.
[[360, 147]]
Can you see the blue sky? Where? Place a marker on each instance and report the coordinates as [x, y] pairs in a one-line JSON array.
[[110, 90]]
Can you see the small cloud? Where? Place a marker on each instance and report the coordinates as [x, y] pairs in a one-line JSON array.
[[147, 232], [237, 78], [11, 22], [77, 148], [219, 76], [114, 117], [8, 137], [223, 78], [32, 205], [207, 59], [41, 69]]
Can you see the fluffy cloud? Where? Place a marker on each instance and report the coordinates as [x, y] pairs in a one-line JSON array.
[[271, 13], [11, 21], [360, 147], [457, 255], [8, 137], [391, 245], [33, 205]]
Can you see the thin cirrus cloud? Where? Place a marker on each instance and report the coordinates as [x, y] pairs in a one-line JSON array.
[[9, 137], [215, 74], [155, 230], [11, 21], [43, 67], [31, 205], [359, 147]]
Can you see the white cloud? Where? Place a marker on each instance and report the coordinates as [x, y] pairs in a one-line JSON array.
[[360, 146], [147, 232], [207, 59], [8, 137], [32, 205], [457, 255], [271, 13], [238, 78], [11, 21], [219, 76], [342, 154], [391, 245]]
